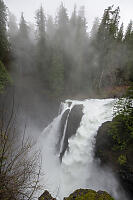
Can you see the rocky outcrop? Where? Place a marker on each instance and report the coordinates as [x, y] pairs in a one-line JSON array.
[[104, 143], [46, 196], [81, 194], [73, 124], [86, 194], [121, 161]]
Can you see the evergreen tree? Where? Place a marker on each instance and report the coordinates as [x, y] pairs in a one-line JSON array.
[[23, 28], [50, 29], [73, 19], [95, 28], [4, 77], [57, 74], [12, 25], [128, 32], [41, 23], [4, 45], [22, 48], [41, 50], [128, 41], [81, 24], [114, 22], [12, 32], [62, 18], [62, 21], [106, 46], [120, 33]]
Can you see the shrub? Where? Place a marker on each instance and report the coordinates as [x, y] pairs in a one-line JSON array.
[[4, 77], [19, 163], [121, 127], [122, 160]]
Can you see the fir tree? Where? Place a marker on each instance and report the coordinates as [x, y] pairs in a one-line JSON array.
[[23, 28], [120, 33], [4, 44], [57, 74], [41, 50], [128, 32]]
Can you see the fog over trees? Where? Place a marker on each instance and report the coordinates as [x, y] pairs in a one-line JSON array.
[[57, 58], [64, 57]]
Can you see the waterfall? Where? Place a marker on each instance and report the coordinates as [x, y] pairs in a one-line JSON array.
[[63, 137], [78, 168]]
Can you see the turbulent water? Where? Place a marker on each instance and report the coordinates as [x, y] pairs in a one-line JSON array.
[[78, 168]]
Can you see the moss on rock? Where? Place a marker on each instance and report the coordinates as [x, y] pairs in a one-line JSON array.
[[81, 194], [86, 194]]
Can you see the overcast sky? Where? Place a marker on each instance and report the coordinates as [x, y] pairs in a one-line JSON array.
[[93, 8]]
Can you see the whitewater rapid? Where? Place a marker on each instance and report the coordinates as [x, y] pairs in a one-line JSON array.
[[78, 168]]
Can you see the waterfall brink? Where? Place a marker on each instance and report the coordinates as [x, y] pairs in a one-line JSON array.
[[78, 168]]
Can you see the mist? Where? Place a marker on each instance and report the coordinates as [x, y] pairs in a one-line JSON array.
[[64, 59], [58, 58]]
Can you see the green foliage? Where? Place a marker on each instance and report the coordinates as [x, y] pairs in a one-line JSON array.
[[108, 28], [67, 60], [120, 33], [122, 125], [122, 160], [57, 75], [4, 77], [4, 45], [41, 52], [41, 22], [62, 17], [106, 47], [128, 32]]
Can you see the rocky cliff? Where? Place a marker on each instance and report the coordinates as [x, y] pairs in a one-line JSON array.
[[119, 158]]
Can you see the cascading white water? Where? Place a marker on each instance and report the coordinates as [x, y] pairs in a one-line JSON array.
[[63, 137], [78, 168]]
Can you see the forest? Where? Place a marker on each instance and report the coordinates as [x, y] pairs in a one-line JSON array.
[[60, 58], [63, 56]]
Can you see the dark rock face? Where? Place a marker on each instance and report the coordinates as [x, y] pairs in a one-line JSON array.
[[108, 156], [73, 124], [46, 196], [103, 143], [127, 180]]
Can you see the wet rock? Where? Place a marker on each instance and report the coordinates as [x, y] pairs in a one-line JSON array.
[[73, 124], [46, 196], [69, 103], [104, 143], [108, 156]]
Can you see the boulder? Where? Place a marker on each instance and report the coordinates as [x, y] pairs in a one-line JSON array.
[[81, 194], [86, 194], [46, 196]]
